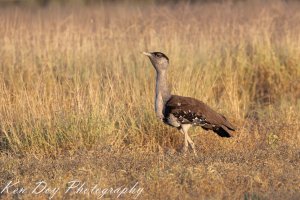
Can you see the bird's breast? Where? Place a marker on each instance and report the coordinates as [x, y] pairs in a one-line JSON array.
[[172, 121]]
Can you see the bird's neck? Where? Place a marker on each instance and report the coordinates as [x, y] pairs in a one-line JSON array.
[[162, 93]]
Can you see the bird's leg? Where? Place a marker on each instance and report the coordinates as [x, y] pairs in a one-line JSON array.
[[187, 140], [192, 145], [185, 147]]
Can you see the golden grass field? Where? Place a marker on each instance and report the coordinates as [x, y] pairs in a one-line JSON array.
[[77, 95]]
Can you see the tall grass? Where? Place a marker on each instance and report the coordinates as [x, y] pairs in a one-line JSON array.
[[74, 77]]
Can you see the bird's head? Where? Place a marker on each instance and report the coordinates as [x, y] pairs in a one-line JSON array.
[[159, 60]]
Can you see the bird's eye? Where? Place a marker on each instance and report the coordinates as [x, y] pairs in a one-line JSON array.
[[158, 55]]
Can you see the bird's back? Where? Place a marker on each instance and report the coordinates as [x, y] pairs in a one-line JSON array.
[[188, 110]]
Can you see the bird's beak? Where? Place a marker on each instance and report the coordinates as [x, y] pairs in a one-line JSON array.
[[147, 54]]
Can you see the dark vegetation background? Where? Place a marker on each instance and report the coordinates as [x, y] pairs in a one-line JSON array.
[[89, 2]]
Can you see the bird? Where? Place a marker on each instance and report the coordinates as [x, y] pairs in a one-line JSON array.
[[184, 112]]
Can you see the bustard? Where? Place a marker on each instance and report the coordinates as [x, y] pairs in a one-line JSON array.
[[183, 112]]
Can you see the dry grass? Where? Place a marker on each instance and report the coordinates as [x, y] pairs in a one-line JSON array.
[[76, 98]]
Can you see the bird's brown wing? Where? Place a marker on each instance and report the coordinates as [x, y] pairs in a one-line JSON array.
[[192, 111]]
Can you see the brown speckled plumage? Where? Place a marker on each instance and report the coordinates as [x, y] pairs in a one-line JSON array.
[[192, 111], [183, 112]]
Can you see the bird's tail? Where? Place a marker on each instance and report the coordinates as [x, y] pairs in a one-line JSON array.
[[227, 124], [223, 131]]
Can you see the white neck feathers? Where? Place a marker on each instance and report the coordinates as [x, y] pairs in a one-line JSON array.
[[162, 93]]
